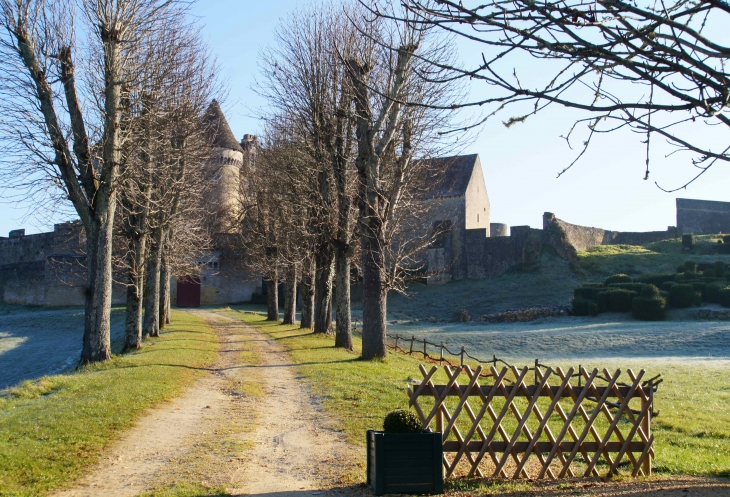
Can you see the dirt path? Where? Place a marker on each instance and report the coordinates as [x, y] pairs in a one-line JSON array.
[[215, 435]]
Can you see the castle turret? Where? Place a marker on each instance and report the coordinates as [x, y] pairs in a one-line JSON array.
[[224, 169]]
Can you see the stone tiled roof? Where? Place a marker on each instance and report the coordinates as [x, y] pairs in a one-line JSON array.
[[448, 176], [218, 130]]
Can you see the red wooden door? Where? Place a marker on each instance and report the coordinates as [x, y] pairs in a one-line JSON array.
[[188, 291]]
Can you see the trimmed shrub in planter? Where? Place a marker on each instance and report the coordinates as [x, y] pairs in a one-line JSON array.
[[649, 306], [684, 295], [407, 461], [584, 307], [619, 278]]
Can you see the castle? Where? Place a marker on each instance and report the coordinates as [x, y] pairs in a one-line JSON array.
[[48, 268]]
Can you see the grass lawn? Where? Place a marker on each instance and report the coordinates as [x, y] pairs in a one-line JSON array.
[[692, 431], [53, 428]]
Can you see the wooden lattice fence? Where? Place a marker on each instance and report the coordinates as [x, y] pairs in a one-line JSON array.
[[552, 428]]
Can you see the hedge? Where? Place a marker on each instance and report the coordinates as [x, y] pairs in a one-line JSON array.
[[667, 285], [656, 279], [726, 238], [584, 307], [588, 293], [634, 287], [649, 308], [619, 278], [723, 297], [684, 295], [724, 248], [713, 292], [688, 241]]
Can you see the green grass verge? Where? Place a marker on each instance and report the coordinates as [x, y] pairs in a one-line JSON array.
[[692, 431], [657, 257], [52, 428]]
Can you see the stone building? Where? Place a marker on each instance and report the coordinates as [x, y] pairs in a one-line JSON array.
[[456, 198], [702, 217]]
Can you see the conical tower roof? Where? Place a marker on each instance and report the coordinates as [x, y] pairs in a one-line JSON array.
[[217, 128]]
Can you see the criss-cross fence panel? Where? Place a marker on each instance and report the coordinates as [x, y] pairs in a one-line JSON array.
[[552, 428]]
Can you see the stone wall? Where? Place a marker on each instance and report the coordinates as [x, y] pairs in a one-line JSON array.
[[585, 238], [702, 217]]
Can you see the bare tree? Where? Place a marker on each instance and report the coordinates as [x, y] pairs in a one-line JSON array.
[[308, 93], [399, 113], [162, 160], [656, 68], [63, 119]]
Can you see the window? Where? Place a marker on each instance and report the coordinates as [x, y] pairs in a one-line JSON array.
[[477, 218]]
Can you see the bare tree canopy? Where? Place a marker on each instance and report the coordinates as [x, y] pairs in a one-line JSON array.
[[656, 68]]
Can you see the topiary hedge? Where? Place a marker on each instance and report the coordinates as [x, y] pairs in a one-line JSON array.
[[619, 278], [649, 306], [633, 287], [723, 297], [584, 307], [656, 279], [712, 292], [684, 295], [688, 241]]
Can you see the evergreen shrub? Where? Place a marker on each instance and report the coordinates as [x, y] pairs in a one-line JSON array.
[[684, 295], [603, 300], [712, 292], [649, 306], [584, 307], [688, 267], [634, 287], [719, 269], [620, 300], [723, 297], [726, 238], [700, 287], [688, 241], [724, 248], [667, 285], [656, 279], [402, 421], [619, 278]]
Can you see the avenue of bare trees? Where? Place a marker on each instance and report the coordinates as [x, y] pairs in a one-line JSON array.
[[343, 161], [101, 104]]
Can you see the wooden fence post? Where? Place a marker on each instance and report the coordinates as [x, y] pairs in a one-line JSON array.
[[646, 425], [396, 342], [441, 356], [413, 339], [462, 357]]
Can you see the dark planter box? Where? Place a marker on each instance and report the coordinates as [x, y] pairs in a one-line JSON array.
[[405, 462]]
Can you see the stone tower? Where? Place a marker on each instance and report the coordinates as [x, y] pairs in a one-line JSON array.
[[224, 170]]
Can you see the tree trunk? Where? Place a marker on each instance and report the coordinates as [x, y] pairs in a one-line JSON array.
[[133, 322], [152, 290], [164, 293], [290, 299], [307, 296], [323, 291], [97, 326], [374, 298], [343, 322], [272, 297]]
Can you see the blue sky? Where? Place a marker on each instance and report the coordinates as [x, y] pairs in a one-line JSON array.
[[605, 189]]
